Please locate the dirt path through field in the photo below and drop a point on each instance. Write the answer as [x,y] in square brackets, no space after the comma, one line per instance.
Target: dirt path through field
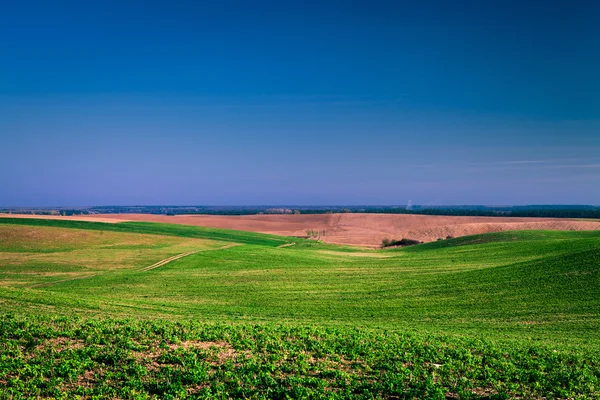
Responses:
[178,256]
[286,245]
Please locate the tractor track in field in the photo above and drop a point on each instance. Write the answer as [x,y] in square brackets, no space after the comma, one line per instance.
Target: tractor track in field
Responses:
[61,281]
[286,245]
[148,268]
[189,253]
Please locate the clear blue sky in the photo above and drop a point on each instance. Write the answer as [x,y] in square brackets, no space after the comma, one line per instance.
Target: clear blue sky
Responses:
[283,102]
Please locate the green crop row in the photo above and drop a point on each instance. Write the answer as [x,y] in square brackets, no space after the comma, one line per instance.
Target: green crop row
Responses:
[107,358]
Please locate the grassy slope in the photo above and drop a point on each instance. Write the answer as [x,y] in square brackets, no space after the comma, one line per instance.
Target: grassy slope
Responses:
[534,288]
[511,284]
[39,256]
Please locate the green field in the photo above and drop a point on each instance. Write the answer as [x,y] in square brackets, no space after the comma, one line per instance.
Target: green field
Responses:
[87,311]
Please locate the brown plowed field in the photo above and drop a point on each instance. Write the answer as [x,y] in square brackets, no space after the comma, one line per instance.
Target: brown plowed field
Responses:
[354,229]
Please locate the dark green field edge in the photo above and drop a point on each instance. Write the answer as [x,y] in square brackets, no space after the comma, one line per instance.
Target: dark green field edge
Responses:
[108,358]
[154,228]
[502,237]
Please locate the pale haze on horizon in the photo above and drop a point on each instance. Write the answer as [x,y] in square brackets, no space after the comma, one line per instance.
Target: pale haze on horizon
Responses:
[305,103]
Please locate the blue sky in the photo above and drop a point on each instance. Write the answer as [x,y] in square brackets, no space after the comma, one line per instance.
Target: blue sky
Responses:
[187,102]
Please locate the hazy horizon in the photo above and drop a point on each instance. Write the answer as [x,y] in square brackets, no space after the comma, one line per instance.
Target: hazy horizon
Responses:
[299,103]
[304,206]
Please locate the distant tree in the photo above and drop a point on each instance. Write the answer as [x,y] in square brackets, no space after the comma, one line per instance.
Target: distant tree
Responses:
[402,242]
[406,242]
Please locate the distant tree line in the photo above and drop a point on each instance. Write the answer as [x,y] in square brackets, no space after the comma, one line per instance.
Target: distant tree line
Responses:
[542,211]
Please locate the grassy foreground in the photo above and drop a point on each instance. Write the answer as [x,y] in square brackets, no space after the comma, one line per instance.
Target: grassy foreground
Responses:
[69,357]
[513,314]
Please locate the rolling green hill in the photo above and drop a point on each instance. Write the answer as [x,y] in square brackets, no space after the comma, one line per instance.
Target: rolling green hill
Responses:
[496,315]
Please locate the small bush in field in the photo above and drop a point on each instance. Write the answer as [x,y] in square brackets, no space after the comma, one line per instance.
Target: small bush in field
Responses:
[401,242]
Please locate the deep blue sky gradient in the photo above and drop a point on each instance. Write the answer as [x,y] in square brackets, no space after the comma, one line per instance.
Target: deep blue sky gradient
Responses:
[189,102]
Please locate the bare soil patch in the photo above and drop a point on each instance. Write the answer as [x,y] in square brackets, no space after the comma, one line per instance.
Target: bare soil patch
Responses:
[61,344]
[355,228]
